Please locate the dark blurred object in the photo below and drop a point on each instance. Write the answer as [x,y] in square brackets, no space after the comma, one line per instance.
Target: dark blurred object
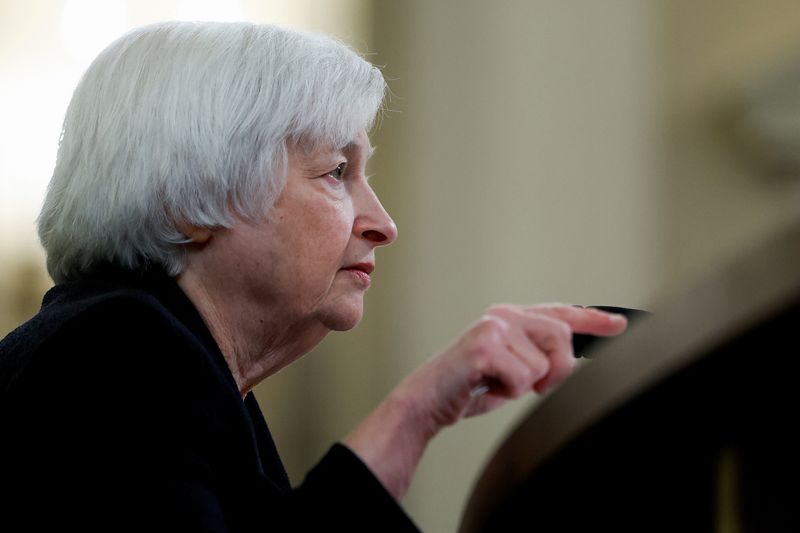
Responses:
[581,343]
[685,423]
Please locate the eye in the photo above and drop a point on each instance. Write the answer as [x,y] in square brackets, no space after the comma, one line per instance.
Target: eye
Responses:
[337,172]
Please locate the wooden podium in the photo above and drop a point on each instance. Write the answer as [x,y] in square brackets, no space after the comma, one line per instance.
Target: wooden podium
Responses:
[687,423]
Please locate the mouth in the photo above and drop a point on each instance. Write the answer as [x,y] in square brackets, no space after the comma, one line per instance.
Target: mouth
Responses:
[360,273]
[366,268]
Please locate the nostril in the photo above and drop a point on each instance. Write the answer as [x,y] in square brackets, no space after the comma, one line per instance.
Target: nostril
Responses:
[375,236]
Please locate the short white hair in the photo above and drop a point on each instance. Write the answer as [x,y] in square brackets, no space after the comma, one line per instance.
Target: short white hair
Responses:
[184,122]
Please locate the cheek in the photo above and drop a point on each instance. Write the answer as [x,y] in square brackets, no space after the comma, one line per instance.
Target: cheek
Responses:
[322,236]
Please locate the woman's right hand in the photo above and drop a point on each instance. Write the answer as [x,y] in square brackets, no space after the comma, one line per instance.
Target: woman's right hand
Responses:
[510,351]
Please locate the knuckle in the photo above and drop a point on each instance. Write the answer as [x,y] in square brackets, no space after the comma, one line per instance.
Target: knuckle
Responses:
[493,308]
[481,356]
[527,379]
[526,376]
[540,368]
[563,369]
[489,329]
[557,338]
[480,348]
[501,309]
[487,319]
[547,307]
[564,330]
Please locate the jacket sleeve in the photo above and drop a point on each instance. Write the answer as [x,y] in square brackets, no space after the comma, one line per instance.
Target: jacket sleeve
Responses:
[343,490]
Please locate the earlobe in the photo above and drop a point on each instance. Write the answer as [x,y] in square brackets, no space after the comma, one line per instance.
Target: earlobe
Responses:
[196,234]
[200,235]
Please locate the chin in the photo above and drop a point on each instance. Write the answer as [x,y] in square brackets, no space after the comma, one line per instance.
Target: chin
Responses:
[343,318]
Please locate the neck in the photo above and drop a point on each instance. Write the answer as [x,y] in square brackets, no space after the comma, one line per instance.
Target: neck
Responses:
[255,343]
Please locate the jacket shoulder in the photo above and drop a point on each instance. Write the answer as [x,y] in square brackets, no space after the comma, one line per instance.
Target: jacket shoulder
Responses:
[101,332]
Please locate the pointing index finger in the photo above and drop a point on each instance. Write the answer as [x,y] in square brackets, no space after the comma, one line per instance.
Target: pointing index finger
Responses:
[584,319]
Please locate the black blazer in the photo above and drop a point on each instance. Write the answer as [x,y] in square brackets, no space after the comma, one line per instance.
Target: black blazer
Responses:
[119,412]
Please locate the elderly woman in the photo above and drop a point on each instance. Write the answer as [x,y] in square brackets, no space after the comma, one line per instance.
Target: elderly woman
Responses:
[208,222]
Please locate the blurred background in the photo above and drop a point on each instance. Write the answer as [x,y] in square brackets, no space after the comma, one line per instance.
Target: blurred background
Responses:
[538,150]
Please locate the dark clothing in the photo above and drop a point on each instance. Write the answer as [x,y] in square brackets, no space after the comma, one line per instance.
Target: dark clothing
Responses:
[118,412]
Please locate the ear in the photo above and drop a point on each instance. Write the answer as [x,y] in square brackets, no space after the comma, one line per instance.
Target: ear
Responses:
[196,234]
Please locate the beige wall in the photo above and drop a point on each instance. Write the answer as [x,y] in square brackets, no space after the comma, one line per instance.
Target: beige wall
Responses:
[715,202]
[518,160]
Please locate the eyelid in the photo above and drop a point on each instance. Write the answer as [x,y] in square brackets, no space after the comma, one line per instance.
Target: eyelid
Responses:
[338,172]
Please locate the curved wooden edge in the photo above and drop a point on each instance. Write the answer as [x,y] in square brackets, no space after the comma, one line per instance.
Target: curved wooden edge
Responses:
[680,332]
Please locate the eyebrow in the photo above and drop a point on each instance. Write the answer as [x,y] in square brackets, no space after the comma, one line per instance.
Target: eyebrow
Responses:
[352,145]
[313,166]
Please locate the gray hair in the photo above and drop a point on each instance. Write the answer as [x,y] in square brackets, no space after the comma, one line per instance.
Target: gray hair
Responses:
[189,122]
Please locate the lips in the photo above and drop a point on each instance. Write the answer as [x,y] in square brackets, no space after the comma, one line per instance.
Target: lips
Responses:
[367,268]
[360,273]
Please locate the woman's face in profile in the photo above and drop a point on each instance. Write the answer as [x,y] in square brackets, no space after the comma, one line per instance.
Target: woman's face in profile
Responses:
[310,257]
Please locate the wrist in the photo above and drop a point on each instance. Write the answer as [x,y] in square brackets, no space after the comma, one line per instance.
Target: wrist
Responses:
[391,441]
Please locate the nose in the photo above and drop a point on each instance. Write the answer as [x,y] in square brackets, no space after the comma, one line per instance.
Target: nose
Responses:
[372,222]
